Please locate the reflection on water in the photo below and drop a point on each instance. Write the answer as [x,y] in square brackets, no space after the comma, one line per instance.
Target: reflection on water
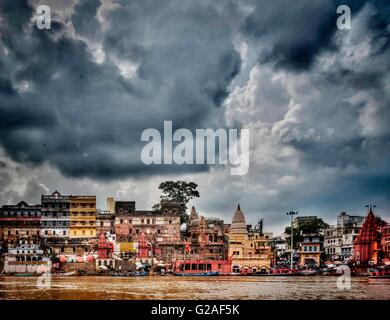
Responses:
[171,287]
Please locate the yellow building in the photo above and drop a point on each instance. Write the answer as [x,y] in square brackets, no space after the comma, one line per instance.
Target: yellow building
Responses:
[309,250]
[82,216]
[248,250]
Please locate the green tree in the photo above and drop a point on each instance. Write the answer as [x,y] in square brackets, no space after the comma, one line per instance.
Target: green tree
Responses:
[178,191]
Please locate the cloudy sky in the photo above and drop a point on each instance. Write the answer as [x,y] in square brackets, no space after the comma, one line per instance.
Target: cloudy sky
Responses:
[75,99]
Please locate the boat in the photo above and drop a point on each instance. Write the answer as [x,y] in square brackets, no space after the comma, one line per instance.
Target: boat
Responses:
[23,274]
[307,272]
[65,274]
[197,274]
[201,267]
[385,276]
[281,272]
[382,272]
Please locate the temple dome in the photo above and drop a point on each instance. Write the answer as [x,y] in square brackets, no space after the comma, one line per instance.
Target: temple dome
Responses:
[238,222]
[193,214]
[194,218]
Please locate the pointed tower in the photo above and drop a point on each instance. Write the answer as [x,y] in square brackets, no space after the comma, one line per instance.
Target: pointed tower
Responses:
[193,214]
[366,243]
[238,226]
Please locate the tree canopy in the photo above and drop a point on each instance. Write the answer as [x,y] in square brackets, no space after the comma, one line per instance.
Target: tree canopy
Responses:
[178,191]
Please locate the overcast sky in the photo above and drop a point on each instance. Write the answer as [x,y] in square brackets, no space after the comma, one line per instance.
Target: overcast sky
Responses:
[75,99]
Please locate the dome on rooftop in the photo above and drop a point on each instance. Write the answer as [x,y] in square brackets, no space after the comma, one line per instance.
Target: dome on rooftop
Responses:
[238,225]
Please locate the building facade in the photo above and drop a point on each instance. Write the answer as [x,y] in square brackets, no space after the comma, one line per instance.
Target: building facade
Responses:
[385,242]
[20,224]
[333,242]
[338,240]
[105,222]
[249,251]
[55,216]
[206,237]
[82,217]
[162,228]
[309,250]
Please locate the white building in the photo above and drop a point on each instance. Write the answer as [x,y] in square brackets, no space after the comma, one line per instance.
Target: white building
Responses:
[338,240]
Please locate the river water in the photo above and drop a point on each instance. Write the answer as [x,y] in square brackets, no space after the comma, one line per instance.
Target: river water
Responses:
[178,288]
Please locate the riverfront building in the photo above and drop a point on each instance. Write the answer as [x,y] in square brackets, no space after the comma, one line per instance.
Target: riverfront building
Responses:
[68,223]
[20,224]
[82,217]
[55,216]
[162,228]
[309,250]
[249,251]
[105,222]
[385,242]
[338,240]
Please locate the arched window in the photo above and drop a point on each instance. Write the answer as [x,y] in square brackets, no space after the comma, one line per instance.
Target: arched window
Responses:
[236,269]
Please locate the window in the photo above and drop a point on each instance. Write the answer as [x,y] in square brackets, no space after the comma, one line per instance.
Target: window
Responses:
[194,266]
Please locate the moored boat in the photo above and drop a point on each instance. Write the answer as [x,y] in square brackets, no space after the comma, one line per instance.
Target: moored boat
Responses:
[382,272]
[198,274]
[307,272]
[201,267]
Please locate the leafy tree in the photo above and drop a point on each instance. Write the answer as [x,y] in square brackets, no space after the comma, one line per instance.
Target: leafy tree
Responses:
[178,191]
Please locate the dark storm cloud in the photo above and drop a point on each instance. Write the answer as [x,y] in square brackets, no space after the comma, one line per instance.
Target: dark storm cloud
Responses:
[84,18]
[82,109]
[58,105]
[292,35]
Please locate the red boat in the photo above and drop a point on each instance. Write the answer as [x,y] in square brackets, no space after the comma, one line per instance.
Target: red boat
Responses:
[201,267]
[382,272]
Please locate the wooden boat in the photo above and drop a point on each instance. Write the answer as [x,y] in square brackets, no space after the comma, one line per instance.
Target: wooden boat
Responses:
[64,274]
[197,274]
[307,272]
[385,276]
